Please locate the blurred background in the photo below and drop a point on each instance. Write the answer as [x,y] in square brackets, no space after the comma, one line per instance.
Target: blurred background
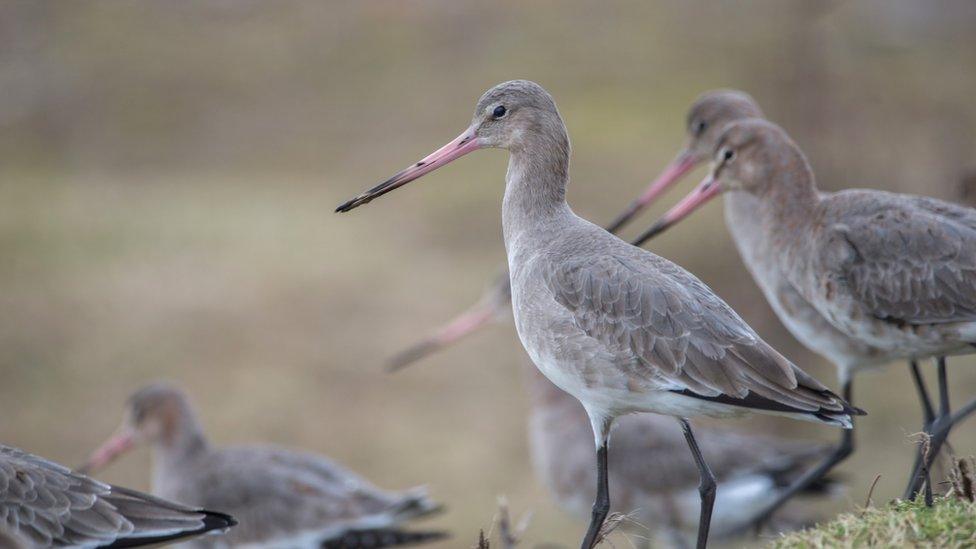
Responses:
[168,172]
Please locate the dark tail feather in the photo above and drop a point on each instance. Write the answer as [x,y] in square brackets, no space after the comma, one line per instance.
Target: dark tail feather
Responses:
[155,520]
[212,522]
[375,539]
[758,402]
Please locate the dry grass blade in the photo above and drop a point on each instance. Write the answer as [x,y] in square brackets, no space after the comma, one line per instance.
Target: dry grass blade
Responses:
[962,478]
[610,525]
[508,535]
[482,541]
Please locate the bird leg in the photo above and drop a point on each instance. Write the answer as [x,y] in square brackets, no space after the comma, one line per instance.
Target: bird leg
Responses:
[923,393]
[843,450]
[601,506]
[928,415]
[706,485]
[938,432]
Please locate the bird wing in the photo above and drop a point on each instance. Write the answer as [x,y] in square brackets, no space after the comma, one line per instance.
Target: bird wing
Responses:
[908,260]
[651,310]
[277,494]
[49,505]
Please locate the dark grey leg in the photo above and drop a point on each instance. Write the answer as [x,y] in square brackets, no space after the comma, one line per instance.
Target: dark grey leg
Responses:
[938,430]
[706,485]
[923,393]
[928,416]
[840,453]
[601,506]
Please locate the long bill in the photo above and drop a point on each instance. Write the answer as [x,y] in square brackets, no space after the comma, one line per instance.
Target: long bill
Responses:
[681,165]
[119,443]
[466,323]
[705,191]
[458,147]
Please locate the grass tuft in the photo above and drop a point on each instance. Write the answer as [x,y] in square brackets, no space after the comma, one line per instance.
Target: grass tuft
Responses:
[949,523]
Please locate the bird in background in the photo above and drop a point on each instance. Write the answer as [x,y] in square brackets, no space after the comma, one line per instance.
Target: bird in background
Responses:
[282,498]
[43,504]
[864,277]
[619,328]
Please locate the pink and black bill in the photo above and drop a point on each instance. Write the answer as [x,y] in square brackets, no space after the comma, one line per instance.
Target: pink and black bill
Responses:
[681,165]
[460,146]
[705,191]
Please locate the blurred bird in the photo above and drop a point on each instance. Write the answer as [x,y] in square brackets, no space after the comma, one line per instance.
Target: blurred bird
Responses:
[868,276]
[43,504]
[619,328]
[282,498]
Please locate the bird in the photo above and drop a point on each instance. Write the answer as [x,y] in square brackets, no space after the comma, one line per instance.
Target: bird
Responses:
[871,276]
[618,327]
[281,497]
[44,504]
[656,488]
[710,113]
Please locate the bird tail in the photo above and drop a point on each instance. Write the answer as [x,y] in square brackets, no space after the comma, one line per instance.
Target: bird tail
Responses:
[155,520]
[382,537]
[415,504]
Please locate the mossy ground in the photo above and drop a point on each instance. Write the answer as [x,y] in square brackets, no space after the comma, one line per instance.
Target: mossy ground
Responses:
[950,522]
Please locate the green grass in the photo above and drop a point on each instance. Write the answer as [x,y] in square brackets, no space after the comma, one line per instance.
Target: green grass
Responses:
[950,522]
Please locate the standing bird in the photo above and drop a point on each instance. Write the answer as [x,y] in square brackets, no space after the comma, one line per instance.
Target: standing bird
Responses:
[894,274]
[706,120]
[708,116]
[43,504]
[617,327]
[281,497]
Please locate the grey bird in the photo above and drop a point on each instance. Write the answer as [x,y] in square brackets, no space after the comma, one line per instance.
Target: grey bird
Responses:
[710,113]
[867,276]
[43,504]
[617,327]
[282,498]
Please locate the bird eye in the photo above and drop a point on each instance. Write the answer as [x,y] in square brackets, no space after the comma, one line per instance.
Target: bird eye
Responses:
[499,111]
[728,155]
[700,127]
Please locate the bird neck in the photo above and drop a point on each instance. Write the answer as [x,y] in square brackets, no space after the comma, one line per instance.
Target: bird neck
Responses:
[535,185]
[789,201]
[182,436]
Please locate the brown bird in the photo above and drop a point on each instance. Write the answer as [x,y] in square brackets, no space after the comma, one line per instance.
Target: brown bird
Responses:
[895,274]
[618,327]
[43,504]
[281,497]
[706,119]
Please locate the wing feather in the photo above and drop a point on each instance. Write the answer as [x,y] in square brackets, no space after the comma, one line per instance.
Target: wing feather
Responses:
[905,259]
[649,310]
[47,504]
